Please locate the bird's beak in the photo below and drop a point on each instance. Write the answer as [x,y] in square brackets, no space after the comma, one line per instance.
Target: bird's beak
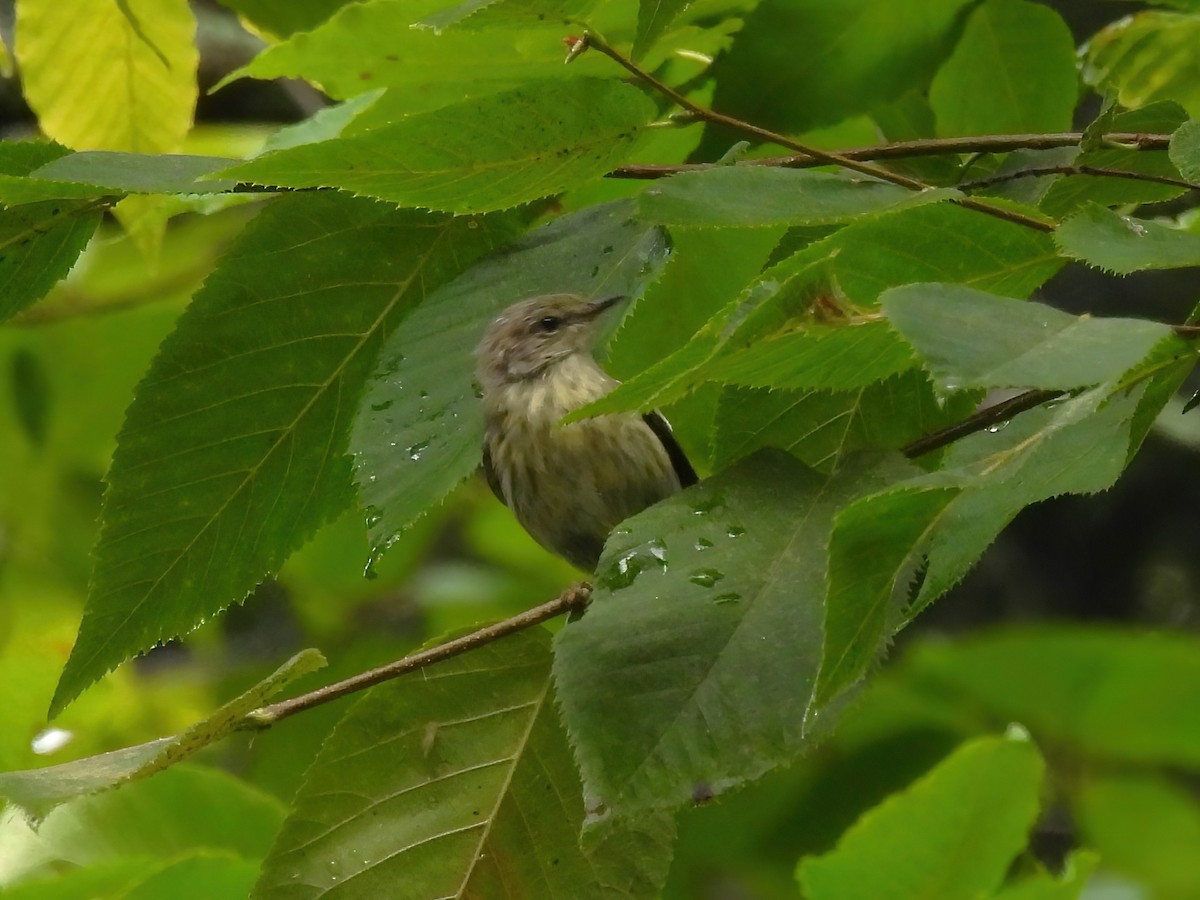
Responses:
[599,306]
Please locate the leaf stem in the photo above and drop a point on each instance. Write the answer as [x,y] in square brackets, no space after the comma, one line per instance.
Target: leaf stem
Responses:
[984,418]
[826,157]
[572,599]
[1097,171]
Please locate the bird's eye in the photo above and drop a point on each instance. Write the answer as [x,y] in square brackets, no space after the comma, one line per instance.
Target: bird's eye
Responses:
[548,323]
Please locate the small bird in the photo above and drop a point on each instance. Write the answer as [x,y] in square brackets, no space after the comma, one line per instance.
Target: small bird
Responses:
[568,485]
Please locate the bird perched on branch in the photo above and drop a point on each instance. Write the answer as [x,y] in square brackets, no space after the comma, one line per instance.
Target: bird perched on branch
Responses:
[568,485]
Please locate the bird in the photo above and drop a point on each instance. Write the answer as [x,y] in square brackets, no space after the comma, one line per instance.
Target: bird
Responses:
[568,485]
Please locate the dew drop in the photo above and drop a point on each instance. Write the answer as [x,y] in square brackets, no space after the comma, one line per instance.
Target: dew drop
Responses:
[703,543]
[706,577]
[381,405]
[728,597]
[735,531]
[414,452]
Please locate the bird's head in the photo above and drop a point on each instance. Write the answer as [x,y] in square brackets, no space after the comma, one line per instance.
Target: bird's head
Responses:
[533,335]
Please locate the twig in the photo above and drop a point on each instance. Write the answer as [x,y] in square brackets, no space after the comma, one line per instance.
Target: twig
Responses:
[592,39]
[985,418]
[1097,171]
[574,598]
[992,143]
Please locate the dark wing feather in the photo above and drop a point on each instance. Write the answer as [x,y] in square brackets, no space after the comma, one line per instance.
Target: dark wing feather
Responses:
[489,472]
[662,430]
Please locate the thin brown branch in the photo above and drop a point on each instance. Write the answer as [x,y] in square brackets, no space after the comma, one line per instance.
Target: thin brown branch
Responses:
[991,143]
[1096,171]
[985,418]
[591,39]
[572,599]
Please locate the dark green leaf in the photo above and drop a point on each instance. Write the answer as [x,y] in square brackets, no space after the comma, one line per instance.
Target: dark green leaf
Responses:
[457,784]
[1110,693]
[38,791]
[691,671]
[1012,72]
[420,427]
[139,173]
[1185,150]
[839,59]
[285,18]
[969,339]
[915,844]
[31,395]
[476,156]
[821,427]
[874,553]
[232,453]
[1116,243]
[38,245]
[741,196]
[1069,192]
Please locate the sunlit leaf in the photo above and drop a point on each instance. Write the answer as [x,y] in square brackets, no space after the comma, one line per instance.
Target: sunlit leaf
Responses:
[654,18]
[1012,72]
[476,156]
[1146,57]
[38,791]
[912,844]
[457,784]
[233,451]
[1120,244]
[1185,150]
[420,426]
[285,18]
[131,79]
[1076,874]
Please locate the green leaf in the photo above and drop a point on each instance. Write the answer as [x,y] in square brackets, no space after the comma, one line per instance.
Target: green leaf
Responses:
[183,810]
[815,356]
[202,876]
[1069,192]
[822,427]
[1076,873]
[457,784]
[105,174]
[1012,72]
[691,671]
[1147,57]
[232,453]
[372,45]
[131,81]
[873,554]
[1145,826]
[1004,470]
[741,196]
[654,18]
[1185,150]
[952,835]
[1107,693]
[38,245]
[970,339]
[839,59]
[937,242]
[284,19]
[476,156]
[38,791]
[1120,244]
[420,427]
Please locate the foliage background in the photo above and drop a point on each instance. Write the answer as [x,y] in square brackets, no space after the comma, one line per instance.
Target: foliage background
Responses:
[1106,690]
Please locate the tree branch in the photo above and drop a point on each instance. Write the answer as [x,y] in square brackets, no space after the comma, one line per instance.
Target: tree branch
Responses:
[592,39]
[572,599]
[1097,171]
[984,418]
[991,143]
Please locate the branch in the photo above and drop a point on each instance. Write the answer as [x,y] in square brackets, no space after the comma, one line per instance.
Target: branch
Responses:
[985,418]
[592,39]
[991,143]
[1097,171]
[574,598]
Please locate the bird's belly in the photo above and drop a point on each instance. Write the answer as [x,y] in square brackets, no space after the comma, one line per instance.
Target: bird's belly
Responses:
[569,485]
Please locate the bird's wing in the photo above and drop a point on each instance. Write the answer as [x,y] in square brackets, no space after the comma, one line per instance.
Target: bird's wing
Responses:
[489,472]
[662,430]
